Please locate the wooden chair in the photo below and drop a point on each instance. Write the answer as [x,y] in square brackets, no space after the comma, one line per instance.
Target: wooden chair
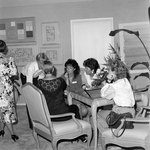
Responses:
[42,124]
[139,136]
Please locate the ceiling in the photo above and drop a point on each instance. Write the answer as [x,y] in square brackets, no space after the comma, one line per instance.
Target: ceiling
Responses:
[11,3]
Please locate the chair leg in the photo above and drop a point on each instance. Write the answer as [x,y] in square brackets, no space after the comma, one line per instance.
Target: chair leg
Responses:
[54,145]
[36,139]
[89,141]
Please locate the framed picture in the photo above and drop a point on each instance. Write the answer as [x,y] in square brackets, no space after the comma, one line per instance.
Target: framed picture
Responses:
[50,33]
[54,54]
[18,30]
[23,54]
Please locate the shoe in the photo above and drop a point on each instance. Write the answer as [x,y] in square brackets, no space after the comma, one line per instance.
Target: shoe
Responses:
[14,137]
[83,139]
[2,132]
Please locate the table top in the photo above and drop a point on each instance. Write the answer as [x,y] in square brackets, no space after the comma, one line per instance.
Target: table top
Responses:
[86,97]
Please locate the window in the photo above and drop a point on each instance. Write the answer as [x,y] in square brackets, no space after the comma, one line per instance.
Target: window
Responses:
[131,47]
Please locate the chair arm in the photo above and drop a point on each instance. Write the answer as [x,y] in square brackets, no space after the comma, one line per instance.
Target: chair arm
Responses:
[79,126]
[145,107]
[142,89]
[142,111]
[69,98]
[62,115]
[139,120]
[95,104]
[142,96]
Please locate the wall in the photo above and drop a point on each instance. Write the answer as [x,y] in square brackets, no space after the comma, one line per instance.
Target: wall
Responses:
[122,11]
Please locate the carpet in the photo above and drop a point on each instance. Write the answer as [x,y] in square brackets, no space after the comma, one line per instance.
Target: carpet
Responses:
[26,140]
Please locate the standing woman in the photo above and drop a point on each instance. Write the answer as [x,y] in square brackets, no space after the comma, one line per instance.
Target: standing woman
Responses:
[28,71]
[7,103]
[31,72]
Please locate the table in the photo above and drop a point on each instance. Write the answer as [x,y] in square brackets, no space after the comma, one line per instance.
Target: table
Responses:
[94,103]
[85,97]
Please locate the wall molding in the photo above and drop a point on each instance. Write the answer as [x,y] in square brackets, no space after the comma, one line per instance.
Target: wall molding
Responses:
[13,3]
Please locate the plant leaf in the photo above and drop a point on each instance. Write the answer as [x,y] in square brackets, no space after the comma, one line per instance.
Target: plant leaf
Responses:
[146,74]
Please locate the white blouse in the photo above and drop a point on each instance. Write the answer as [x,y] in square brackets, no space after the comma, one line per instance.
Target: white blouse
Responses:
[120,91]
[29,71]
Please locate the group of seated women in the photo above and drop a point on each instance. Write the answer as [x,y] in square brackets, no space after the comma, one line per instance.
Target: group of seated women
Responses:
[42,73]
[116,86]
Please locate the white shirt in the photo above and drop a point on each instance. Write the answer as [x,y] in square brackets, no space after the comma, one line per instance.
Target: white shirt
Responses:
[120,91]
[29,71]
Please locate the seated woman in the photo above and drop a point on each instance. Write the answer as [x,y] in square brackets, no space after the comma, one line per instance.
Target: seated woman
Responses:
[74,82]
[53,89]
[118,88]
[91,71]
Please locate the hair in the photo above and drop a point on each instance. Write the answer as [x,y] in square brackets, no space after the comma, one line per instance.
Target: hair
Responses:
[120,69]
[75,65]
[115,64]
[41,57]
[3,47]
[91,63]
[49,68]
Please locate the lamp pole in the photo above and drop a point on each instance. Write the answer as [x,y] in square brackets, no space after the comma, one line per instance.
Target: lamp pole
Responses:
[136,33]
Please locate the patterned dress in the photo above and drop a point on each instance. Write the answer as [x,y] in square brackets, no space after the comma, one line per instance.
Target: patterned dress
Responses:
[7,103]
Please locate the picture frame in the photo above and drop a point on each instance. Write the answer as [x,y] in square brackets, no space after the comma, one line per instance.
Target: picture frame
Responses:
[50,33]
[22,54]
[54,54]
[18,30]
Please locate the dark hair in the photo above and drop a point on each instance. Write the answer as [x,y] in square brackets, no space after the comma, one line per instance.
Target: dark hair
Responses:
[3,47]
[50,69]
[74,64]
[91,63]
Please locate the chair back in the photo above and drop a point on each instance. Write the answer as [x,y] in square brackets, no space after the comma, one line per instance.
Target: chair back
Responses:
[37,106]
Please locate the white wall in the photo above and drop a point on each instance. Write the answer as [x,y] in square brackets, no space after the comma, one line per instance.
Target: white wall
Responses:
[122,11]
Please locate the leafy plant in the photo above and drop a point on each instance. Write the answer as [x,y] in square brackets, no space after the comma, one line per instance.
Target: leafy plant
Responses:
[146,64]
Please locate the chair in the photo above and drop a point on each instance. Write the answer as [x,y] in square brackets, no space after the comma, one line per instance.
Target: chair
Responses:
[42,124]
[139,136]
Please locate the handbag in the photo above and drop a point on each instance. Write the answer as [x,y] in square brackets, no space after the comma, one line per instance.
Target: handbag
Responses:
[114,120]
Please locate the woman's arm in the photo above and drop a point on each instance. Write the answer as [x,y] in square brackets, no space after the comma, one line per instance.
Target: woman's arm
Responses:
[108,91]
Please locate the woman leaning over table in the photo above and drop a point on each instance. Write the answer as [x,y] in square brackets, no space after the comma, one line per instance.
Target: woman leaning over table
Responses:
[73,79]
[28,75]
[53,89]
[7,102]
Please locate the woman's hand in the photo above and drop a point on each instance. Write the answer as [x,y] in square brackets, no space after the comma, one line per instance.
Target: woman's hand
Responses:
[37,73]
[66,75]
[66,92]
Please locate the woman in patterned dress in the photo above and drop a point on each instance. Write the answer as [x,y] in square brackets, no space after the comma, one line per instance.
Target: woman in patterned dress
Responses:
[7,103]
